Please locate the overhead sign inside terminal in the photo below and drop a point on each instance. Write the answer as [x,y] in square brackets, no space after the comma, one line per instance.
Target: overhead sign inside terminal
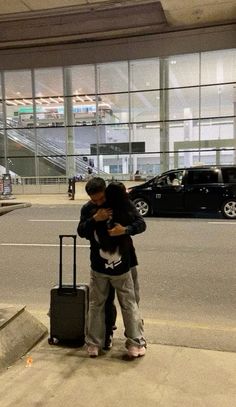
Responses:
[118,148]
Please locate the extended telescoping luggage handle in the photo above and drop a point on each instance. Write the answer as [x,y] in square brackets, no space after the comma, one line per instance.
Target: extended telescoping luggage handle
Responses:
[74,260]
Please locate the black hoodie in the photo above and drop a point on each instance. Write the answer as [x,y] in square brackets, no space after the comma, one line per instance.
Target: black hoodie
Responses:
[103,260]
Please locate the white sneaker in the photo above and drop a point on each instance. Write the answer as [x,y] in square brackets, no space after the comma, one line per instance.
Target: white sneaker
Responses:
[136,351]
[92,351]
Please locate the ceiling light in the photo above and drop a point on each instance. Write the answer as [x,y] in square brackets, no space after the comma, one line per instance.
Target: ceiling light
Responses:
[173,62]
[89,98]
[53,100]
[80,99]
[19,102]
[27,101]
[45,101]
[10,102]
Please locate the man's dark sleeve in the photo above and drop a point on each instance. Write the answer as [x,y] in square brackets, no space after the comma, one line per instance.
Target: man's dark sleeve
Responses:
[137,225]
[86,224]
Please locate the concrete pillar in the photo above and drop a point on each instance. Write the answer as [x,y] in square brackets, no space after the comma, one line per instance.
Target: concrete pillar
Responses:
[69,122]
[234,130]
[100,164]
[4,119]
[125,161]
[164,115]
[135,163]
[188,133]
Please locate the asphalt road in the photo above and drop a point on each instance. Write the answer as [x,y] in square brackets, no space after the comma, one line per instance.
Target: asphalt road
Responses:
[186,265]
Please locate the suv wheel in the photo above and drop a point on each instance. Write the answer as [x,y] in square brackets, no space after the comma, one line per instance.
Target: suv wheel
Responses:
[229,209]
[142,206]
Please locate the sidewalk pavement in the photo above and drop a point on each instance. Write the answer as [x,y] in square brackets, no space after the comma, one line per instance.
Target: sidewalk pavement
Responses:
[168,376]
[50,199]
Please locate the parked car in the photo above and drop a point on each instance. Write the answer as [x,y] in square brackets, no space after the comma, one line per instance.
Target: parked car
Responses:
[188,190]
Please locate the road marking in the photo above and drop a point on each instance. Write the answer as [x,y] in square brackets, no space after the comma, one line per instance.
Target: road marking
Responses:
[185,324]
[223,223]
[53,220]
[42,244]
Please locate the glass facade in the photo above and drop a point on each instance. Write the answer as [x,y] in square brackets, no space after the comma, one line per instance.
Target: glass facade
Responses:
[149,115]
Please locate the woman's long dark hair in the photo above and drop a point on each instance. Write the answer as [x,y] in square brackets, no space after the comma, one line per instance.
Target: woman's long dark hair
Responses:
[117,199]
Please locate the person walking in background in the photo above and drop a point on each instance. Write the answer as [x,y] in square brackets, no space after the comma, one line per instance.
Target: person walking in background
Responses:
[111,255]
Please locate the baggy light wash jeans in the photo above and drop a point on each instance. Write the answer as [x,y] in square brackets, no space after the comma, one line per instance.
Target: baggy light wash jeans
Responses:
[99,289]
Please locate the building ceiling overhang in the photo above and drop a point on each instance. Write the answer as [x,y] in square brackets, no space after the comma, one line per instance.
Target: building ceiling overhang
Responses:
[27,23]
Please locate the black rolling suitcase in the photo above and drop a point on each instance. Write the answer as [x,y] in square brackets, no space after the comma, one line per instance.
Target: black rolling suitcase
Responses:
[68,306]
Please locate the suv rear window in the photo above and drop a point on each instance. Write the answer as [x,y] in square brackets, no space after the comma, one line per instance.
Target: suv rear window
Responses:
[202,177]
[229,175]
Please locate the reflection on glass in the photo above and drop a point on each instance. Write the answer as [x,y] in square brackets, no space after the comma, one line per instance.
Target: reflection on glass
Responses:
[112,77]
[1,133]
[83,80]
[217,129]
[183,103]
[217,101]
[183,70]
[18,84]
[113,108]
[19,114]
[84,138]
[84,111]
[148,165]
[145,106]
[49,112]
[144,74]
[48,82]
[218,66]
[149,134]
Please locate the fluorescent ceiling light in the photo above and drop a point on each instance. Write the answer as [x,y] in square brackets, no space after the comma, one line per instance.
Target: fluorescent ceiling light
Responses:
[53,100]
[89,98]
[10,102]
[80,99]
[45,101]
[19,102]
[27,101]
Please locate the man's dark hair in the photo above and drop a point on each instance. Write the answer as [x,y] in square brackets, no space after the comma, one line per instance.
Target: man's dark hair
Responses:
[95,185]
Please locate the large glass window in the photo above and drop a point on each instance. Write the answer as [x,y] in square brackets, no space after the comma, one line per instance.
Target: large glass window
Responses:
[218,67]
[112,77]
[217,101]
[183,70]
[18,84]
[144,74]
[2,151]
[148,115]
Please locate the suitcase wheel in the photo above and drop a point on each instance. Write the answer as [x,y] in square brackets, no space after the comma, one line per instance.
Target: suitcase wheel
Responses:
[52,341]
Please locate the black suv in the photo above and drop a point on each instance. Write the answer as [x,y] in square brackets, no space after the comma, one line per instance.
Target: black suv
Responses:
[188,190]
